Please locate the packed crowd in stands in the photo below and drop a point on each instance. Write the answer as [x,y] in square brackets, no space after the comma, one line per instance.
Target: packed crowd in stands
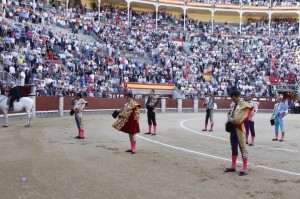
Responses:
[251,2]
[211,64]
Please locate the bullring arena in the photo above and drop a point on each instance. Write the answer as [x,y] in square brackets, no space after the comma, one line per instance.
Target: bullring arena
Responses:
[180,162]
[192,59]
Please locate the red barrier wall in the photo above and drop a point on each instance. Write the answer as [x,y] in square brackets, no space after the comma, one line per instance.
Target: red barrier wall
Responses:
[51,103]
[46,103]
[98,103]
[171,103]
[187,103]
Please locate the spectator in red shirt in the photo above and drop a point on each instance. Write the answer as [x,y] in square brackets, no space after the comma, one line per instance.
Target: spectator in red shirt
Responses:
[51,55]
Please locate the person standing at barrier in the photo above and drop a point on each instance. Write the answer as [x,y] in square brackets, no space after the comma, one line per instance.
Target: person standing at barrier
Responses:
[128,120]
[1,88]
[239,112]
[151,104]
[78,106]
[249,124]
[279,111]
[210,104]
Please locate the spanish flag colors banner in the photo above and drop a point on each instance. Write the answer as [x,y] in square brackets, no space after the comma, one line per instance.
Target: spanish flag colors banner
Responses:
[132,86]
[207,77]
[177,42]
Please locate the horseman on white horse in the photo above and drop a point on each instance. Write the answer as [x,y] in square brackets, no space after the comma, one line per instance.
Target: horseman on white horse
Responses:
[14,102]
[14,94]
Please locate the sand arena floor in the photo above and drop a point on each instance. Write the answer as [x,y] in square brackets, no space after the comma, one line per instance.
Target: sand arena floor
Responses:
[180,162]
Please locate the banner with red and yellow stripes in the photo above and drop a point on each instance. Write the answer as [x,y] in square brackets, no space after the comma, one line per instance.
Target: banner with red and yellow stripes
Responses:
[133,85]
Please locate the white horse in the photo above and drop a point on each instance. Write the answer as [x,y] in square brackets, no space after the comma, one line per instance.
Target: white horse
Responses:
[25,103]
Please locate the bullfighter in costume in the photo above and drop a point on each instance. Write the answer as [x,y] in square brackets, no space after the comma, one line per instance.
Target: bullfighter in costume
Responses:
[210,104]
[249,125]
[151,104]
[279,111]
[78,106]
[239,112]
[128,121]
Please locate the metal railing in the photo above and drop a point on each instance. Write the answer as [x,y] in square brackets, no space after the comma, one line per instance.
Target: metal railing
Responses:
[178,93]
[286,87]
[7,77]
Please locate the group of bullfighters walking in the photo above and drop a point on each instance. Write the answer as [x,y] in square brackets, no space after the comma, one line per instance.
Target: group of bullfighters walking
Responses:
[240,121]
[128,117]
